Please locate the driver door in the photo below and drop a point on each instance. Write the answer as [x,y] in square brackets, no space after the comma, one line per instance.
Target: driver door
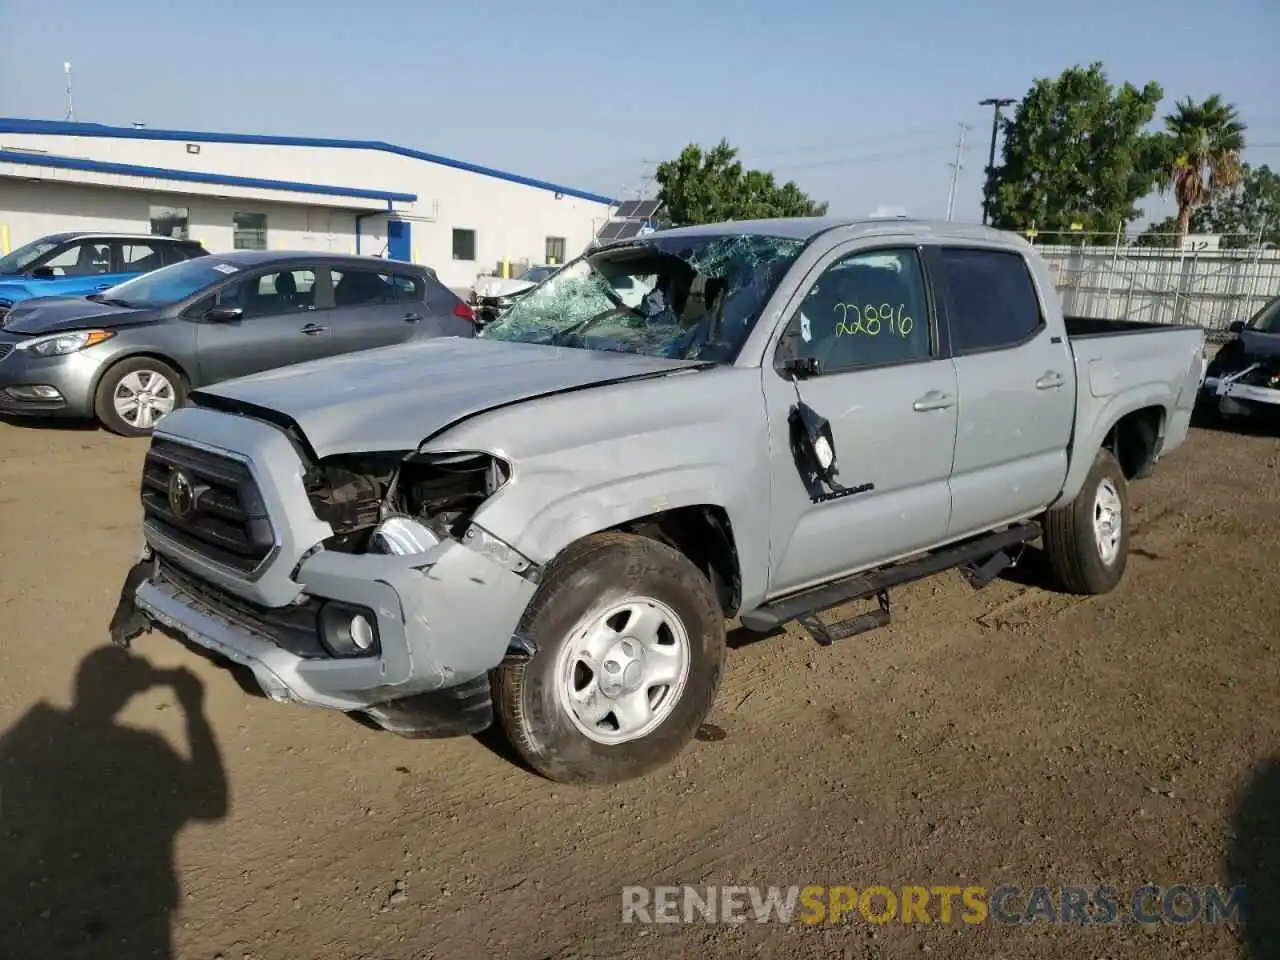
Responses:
[889,391]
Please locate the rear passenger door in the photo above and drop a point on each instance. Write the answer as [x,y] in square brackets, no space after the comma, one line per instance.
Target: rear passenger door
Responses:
[372,309]
[283,322]
[1015,379]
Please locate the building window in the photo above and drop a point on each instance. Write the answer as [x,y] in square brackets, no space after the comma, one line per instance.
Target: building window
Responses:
[249,231]
[555,250]
[464,244]
[171,222]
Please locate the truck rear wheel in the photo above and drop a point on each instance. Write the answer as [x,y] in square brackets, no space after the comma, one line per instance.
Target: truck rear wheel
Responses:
[1087,540]
[630,650]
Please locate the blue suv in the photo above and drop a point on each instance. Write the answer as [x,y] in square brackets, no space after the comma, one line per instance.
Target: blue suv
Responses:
[79,264]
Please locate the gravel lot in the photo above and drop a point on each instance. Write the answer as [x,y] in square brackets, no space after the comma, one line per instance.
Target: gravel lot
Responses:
[1005,736]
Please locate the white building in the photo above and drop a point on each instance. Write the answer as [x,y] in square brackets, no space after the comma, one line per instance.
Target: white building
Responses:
[231,190]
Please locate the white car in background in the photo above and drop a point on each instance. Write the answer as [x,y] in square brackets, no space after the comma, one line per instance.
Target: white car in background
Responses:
[500,287]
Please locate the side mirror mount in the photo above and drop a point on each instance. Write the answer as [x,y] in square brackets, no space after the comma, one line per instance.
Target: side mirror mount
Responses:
[43,273]
[1237,326]
[801,368]
[223,315]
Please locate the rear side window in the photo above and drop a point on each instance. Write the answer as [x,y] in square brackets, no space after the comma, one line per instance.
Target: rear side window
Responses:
[991,300]
[355,287]
[409,289]
[139,257]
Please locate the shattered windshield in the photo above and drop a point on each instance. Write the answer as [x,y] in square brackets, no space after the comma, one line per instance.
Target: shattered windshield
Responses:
[687,298]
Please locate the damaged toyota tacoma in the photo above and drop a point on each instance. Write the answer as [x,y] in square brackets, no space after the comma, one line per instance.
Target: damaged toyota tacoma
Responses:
[549,526]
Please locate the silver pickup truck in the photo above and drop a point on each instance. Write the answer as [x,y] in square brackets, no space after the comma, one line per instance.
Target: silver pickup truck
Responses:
[549,525]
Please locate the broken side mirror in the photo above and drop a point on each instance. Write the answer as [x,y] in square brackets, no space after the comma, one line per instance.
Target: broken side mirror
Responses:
[813,443]
[801,368]
[1237,326]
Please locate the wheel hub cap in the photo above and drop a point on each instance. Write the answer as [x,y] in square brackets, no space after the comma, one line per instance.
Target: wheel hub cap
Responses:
[623,669]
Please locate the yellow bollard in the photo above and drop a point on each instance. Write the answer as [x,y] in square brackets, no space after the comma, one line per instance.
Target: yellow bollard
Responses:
[4,239]
[506,269]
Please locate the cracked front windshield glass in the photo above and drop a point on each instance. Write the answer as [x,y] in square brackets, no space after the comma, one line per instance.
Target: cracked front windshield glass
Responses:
[683,297]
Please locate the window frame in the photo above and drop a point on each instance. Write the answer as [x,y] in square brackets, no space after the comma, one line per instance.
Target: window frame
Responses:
[951,314]
[557,259]
[453,246]
[939,348]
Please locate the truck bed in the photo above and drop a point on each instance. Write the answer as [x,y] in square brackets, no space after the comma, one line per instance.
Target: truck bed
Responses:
[1079,328]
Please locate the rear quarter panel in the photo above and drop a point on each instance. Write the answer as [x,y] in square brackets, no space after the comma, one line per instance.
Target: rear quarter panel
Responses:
[1121,373]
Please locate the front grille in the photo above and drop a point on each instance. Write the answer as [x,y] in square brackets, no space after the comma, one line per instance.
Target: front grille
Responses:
[224,519]
[294,628]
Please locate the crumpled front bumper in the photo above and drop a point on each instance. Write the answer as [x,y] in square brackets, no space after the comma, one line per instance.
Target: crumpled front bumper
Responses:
[444,619]
[1234,398]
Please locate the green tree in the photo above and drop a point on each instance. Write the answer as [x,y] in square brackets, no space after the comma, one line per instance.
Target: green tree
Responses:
[1243,215]
[712,186]
[1207,139]
[1076,150]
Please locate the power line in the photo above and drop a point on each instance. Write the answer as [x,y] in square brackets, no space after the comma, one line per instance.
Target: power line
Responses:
[955,170]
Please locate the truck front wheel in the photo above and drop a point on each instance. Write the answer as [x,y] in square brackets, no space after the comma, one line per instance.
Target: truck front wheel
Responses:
[630,649]
[1087,540]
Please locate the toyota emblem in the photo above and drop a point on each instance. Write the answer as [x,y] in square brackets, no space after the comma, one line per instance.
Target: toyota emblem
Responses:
[182,496]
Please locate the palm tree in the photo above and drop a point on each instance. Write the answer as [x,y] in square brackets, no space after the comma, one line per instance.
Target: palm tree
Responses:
[1207,139]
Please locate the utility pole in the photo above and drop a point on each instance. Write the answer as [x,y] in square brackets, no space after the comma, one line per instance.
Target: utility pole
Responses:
[66,69]
[955,170]
[996,103]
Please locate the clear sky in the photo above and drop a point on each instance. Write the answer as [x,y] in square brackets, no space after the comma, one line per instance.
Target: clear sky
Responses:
[860,103]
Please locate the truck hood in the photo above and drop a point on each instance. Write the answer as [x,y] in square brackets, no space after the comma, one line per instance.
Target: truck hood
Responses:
[56,314]
[394,398]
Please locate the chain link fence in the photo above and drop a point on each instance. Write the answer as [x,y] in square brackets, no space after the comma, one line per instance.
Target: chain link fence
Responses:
[1112,276]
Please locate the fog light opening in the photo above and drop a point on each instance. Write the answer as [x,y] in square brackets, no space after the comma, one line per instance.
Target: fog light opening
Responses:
[348,631]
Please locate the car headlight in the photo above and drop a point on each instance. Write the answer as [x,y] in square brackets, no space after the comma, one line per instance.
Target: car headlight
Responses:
[61,344]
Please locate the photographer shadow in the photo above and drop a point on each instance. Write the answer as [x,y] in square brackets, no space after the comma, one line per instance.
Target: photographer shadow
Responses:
[89,813]
[1253,860]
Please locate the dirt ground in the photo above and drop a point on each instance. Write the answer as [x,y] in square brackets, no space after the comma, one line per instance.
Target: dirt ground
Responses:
[1005,736]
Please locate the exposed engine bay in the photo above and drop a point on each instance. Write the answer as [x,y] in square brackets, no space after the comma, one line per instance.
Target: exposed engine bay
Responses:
[393,503]
[1244,378]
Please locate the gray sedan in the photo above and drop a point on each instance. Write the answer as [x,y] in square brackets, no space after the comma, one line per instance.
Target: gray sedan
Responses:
[129,355]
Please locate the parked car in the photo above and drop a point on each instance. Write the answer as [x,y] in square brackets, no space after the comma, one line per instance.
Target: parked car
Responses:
[130,354]
[492,295]
[78,264]
[1243,379]
[549,525]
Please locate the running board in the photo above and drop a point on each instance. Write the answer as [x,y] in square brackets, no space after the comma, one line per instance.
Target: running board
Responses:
[987,553]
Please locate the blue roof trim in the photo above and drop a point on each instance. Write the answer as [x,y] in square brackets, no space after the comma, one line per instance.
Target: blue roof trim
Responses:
[194,176]
[68,128]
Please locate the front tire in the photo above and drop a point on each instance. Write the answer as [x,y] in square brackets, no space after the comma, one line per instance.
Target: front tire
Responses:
[631,648]
[1087,540]
[135,393]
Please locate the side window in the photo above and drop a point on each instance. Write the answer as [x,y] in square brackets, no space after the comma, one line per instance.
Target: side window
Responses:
[272,294]
[866,310]
[80,260]
[991,300]
[176,253]
[139,258]
[361,288]
[201,307]
[409,289]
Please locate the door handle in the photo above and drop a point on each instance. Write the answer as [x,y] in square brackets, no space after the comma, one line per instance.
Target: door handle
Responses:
[412,317]
[311,329]
[934,400]
[1050,381]
[103,286]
